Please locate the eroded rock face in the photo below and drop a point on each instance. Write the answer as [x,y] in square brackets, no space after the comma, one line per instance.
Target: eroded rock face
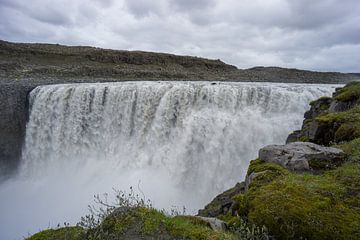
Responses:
[302,156]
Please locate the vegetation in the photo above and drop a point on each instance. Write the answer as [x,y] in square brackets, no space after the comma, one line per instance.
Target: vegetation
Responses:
[349,93]
[130,217]
[66,233]
[149,222]
[304,205]
[352,149]
[345,125]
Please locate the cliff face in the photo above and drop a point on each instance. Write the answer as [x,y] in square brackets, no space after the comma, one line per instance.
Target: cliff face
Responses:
[13,109]
[332,120]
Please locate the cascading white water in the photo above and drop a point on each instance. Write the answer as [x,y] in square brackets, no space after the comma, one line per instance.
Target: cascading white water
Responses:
[185,142]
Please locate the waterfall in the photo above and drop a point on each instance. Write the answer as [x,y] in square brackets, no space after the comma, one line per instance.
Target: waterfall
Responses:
[180,143]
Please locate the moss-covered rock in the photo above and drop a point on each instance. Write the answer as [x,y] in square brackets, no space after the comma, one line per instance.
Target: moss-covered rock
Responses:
[139,223]
[309,206]
[66,233]
[341,126]
[149,223]
[297,205]
[221,204]
[332,120]
[349,93]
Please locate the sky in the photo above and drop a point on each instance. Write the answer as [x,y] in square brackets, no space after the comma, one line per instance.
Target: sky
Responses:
[322,35]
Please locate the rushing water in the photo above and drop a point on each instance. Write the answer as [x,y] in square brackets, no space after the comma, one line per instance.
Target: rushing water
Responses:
[180,143]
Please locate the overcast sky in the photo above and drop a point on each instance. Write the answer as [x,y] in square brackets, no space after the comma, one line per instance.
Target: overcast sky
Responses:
[310,34]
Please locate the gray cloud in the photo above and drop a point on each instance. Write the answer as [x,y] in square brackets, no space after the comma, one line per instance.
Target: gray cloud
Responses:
[319,35]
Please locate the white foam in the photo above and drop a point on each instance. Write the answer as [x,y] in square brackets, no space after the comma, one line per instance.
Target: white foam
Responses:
[185,141]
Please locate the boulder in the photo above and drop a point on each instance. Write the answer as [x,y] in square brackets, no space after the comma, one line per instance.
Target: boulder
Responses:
[302,156]
[215,224]
[222,203]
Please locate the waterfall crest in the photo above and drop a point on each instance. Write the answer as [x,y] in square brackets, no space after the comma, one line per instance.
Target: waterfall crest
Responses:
[202,133]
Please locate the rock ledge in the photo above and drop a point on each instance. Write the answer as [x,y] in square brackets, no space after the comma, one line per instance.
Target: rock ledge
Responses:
[302,156]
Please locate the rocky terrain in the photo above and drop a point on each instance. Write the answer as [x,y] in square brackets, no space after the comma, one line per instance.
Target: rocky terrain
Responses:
[50,63]
[25,66]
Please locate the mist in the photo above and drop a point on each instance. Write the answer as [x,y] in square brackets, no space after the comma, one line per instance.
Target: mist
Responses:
[176,143]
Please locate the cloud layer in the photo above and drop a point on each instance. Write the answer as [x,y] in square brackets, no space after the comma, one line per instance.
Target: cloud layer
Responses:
[318,35]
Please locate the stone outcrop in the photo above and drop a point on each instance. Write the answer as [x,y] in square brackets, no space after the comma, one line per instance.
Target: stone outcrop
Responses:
[302,156]
[223,202]
[331,120]
[13,115]
[311,130]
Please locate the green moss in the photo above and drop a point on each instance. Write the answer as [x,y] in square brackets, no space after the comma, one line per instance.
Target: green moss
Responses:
[344,125]
[321,100]
[193,229]
[348,131]
[350,92]
[352,149]
[304,139]
[150,222]
[266,172]
[322,104]
[239,205]
[259,165]
[349,176]
[66,233]
[309,206]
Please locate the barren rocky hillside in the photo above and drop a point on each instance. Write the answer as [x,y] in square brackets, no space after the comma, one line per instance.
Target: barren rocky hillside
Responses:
[52,63]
